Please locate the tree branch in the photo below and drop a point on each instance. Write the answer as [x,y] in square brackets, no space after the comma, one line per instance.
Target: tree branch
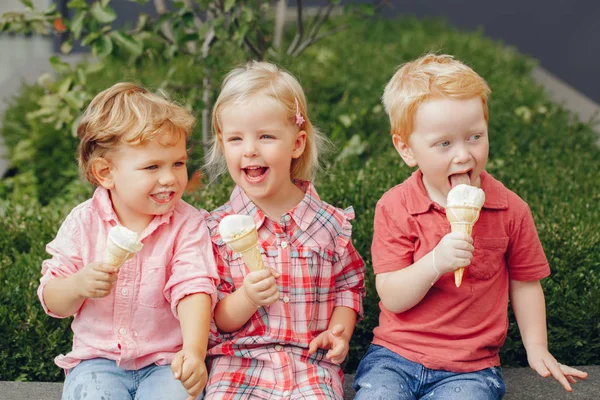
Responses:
[299,26]
[313,40]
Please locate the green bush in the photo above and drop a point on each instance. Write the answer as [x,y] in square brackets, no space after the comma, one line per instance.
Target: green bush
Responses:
[537,149]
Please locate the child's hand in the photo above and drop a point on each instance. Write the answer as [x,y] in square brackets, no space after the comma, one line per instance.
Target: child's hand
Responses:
[260,287]
[189,368]
[96,280]
[333,340]
[545,364]
[455,250]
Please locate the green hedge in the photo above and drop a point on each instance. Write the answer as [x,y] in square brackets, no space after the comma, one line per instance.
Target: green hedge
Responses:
[537,149]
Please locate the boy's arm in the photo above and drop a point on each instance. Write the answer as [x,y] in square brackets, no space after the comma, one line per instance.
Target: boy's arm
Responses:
[528,304]
[345,317]
[194,316]
[62,297]
[188,364]
[403,289]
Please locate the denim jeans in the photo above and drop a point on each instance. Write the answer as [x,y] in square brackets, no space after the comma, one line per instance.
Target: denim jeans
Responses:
[385,375]
[101,379]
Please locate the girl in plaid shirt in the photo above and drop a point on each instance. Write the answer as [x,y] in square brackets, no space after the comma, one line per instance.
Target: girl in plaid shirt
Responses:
[280,332]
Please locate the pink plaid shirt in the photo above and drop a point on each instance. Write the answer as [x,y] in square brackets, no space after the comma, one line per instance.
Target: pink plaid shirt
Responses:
[136,324]
[320,269]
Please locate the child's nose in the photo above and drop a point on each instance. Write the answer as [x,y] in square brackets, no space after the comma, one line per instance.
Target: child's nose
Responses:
[166,178]
[249,148]
[461,154]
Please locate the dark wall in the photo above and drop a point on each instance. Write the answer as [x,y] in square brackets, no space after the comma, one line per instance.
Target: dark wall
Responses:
[564,35]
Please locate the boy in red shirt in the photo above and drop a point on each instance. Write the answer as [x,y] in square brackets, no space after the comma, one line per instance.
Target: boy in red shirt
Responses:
[435,340]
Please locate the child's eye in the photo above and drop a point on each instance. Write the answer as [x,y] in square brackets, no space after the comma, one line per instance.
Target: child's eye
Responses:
[475,136]
[444,143]
[180,164]
[233,138]
[265,136]
[151,167]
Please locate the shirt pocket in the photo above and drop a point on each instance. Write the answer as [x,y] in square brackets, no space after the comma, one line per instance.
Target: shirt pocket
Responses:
[488,257]
[153,281]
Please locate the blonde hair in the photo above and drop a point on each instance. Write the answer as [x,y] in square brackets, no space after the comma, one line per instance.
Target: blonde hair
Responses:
[128,113]
[266,79]
[427,77]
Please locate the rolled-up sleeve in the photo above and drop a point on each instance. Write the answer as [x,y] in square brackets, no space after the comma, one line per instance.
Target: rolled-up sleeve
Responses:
[350,281]
[66,259]
[193,267]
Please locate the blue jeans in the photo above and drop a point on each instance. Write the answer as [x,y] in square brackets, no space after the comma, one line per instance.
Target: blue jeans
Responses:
[101,379]
[385,375]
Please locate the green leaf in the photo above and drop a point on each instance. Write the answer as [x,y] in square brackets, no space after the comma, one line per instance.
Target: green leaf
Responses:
[77,24]
[59,66]
[90,38]
[141,22]
[103,15]
[64,87]
[27,3]
[104,3]
[228,5]
[103,47]
[66,46]
[81,76]
[74,101]
[128,43]
[77,4]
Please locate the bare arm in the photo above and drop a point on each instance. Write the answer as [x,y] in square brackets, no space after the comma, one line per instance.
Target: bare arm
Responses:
[65,296]
[233,311]
[194,316]
[346,317]
[528,304]
[403,289]
[62,297]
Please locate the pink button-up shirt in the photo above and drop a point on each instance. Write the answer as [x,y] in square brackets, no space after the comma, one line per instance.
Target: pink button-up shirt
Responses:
[136,324]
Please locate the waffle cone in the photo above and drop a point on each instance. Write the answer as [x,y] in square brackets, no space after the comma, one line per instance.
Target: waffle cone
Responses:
[116,255]
[462,219]
[246,244]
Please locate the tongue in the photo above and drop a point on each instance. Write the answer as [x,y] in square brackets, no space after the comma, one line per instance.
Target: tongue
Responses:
[255,172]
[458,179]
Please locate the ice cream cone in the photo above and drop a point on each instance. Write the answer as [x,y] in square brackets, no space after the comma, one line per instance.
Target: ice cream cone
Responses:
[246,244]
[462,219]
[121,245]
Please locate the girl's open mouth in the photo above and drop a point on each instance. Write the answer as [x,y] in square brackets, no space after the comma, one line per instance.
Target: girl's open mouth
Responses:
[255,174]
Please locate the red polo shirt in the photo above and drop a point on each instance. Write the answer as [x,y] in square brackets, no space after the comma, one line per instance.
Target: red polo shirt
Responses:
[455,329]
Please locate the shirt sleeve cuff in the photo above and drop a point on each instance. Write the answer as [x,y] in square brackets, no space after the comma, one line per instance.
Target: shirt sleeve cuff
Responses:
[350,299]
[204,285]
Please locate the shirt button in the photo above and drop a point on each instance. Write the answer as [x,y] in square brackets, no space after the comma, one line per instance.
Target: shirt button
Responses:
[124,291]
[286,393]
[123,331]
[286,299]
[284,244]
[287,218]
[278,348]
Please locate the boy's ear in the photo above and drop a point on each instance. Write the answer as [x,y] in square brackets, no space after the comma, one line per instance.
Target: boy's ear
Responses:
[299,144]
[404,150]
[102,171]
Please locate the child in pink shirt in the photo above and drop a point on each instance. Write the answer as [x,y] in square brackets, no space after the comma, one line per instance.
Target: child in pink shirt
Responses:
[140,331]
[280,332]
[436,340]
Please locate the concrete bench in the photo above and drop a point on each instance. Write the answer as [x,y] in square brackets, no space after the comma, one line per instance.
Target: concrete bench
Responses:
[521,383]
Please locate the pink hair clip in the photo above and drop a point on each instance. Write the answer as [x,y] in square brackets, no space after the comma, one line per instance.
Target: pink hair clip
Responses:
[299,118]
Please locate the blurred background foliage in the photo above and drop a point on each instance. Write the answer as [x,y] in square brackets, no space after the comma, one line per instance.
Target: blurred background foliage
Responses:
[537,149]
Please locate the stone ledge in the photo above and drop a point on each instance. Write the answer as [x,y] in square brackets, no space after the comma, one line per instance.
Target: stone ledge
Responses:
[521,383]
